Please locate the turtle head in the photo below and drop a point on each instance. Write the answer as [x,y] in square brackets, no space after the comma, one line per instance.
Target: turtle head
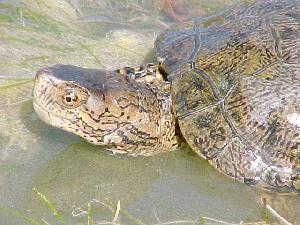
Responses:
[105,108]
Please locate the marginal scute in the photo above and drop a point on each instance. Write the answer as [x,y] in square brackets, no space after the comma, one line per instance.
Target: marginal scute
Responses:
[239,161]
[206,131]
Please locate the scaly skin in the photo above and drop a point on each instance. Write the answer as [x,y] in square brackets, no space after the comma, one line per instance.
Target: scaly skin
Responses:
[107,109]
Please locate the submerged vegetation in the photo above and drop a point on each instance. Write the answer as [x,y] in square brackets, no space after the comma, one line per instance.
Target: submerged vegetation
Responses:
[89,33]
[38,32]
[118,215]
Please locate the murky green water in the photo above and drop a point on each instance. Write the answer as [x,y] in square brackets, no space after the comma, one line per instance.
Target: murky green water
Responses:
[73,174]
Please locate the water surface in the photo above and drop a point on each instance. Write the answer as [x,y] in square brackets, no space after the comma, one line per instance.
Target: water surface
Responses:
[71,173]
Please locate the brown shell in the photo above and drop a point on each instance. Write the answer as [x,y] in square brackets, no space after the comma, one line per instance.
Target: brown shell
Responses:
[236,89]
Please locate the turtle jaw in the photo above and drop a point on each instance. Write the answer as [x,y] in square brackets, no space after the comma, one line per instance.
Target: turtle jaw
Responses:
[48,117]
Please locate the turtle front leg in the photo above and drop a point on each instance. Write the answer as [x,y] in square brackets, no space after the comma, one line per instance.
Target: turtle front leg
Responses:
[148,73]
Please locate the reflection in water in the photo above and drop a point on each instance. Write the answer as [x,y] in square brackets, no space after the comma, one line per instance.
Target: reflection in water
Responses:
[106,34]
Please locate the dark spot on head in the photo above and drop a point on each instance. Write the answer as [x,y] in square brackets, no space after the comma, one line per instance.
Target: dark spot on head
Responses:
[106,109]
[92,111]
[122,114]
[128,117]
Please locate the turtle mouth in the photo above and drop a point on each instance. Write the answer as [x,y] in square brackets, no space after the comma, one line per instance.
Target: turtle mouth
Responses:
[48,116]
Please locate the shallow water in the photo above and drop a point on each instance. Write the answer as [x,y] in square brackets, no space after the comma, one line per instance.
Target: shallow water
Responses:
[73,174]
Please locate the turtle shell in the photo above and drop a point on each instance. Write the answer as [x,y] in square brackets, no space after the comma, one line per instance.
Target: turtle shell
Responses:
[236,89]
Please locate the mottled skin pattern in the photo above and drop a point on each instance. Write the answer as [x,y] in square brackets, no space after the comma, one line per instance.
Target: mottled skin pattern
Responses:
[235,95]
[107,109]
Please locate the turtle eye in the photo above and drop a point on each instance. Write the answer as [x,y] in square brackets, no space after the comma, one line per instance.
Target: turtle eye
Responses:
[70,98]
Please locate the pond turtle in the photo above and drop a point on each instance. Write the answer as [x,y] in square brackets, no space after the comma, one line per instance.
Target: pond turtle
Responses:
[228,84]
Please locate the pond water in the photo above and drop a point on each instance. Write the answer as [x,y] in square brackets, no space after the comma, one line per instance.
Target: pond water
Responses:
[39,163]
